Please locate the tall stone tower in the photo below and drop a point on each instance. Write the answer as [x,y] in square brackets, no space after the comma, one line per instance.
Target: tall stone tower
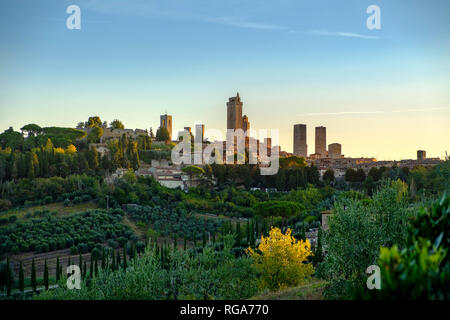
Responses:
[321,141]
[421,155]
[166,122]
[234,113]
[200,132]
[245,123]
[300,146]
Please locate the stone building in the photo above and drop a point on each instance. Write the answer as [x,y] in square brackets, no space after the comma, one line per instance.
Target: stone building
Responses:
[335,150]
[200,132]
[245,123]
[300,146]
[234,113]
[421,155]
[166,122]
[321,141]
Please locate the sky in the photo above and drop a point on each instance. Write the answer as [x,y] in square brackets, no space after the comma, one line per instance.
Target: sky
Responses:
[380,93]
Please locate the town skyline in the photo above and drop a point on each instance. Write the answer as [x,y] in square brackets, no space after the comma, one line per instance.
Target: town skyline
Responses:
[299,62]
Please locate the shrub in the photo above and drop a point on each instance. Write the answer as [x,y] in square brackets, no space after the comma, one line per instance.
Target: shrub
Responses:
[282,261]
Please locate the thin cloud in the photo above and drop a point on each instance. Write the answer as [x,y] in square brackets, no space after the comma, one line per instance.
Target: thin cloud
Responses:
[336,34]
[239,22]
[372,112]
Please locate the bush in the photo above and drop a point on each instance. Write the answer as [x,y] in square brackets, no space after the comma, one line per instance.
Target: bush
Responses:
[356,232]
[5,204]
[282,261]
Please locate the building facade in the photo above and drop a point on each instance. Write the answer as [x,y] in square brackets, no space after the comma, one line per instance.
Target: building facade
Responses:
[335,150]
[166,122]
[300,147]
[234,113]
[321,141]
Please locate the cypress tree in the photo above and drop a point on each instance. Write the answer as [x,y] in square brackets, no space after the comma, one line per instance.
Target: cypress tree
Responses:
[9,281]
[238,234]
[33,276]
[57,269]
[83,274]
[113,264]
[133,251]
[118,261]
[125,257]
[103,259]
[46,275]
[91,268]
[95,267]
[21,278]
[204,238]
[80,263]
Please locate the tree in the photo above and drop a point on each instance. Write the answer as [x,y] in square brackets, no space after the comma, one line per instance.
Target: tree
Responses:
[9,277]
[33,276]
[94,121]
[282,261]
[95,134]
[46,275]
[31,129]
[58,274]
[193,171]
[117,124]
[328,175]
[350,175]
[162,134]
[21,278]
[356,232]
[360,175]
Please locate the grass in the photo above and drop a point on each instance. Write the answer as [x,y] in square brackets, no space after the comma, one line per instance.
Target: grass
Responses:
[308,291]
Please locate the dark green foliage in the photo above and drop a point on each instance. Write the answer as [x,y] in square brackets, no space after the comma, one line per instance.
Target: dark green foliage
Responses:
[46,275]
[33,276]
[421,270]
[21,278]
[52,233]
[208,274]
[58,274]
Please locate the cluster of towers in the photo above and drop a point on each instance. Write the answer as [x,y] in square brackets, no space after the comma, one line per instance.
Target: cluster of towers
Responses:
[301,147]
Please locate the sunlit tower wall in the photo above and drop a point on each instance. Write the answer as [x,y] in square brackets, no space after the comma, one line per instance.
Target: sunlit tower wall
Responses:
[321,141]
[335,150]
[245,123]
[166,122]
[200,132]
[421,155]
[300,147]
[234,113]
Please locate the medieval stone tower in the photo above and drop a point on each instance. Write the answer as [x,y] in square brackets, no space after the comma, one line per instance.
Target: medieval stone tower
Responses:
[166,122]
[300,146]
[234,113]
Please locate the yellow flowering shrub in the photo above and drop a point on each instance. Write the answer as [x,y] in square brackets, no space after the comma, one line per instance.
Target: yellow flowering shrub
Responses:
[281,260]
[71,149]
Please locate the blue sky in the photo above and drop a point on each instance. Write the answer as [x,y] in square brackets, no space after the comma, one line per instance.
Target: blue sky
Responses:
[382,93]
